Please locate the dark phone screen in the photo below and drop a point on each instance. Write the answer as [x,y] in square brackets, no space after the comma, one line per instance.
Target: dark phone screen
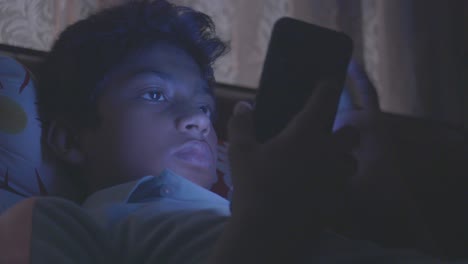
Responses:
[299,56]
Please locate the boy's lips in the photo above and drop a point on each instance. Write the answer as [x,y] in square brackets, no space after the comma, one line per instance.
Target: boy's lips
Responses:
[195,152]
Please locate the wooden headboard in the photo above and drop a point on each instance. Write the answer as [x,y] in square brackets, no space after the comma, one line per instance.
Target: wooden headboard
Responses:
[226,95]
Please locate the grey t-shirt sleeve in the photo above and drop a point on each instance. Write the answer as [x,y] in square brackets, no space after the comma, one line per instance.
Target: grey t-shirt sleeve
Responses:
[62,232]
[170,237]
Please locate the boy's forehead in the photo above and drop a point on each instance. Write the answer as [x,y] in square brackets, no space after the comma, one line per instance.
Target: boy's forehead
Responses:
[163,55]
[163,61]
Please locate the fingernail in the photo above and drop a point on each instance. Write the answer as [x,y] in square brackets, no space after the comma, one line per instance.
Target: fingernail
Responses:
[242,107]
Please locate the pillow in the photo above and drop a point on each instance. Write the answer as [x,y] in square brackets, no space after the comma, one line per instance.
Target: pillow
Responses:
[223,186]
[8,199]
[23,173]
[20,152]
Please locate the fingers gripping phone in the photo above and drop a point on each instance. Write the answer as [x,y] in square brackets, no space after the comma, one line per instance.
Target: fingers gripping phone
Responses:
[299,56]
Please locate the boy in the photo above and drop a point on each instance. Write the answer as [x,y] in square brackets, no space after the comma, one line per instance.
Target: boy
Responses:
[127,93]
[126,103]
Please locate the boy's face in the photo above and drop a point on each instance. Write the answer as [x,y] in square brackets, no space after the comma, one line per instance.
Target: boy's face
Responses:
[154,113]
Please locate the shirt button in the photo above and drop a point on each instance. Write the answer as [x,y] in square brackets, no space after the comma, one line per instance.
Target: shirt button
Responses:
[165,190]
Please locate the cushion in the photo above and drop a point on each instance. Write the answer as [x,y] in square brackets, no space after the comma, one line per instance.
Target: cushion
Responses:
[223,186]
[8,199]
[20,151]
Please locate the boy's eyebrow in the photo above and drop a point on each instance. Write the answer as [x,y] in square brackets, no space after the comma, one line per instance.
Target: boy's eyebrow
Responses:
[159,74]
[167,77]
[205,89]
[130,75]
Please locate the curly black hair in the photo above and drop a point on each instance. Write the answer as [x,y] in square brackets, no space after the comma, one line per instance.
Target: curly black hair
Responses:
[86,51]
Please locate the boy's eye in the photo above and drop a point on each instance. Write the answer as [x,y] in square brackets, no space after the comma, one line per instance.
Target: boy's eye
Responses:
[156,96]
[206,109]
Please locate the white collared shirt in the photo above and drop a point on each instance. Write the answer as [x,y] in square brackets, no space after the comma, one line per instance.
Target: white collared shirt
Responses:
[164,219]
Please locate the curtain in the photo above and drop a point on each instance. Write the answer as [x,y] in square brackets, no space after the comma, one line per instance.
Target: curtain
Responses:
[411,49]
[36,23]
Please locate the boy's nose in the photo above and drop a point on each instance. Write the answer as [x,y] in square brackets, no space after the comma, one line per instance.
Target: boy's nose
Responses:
[197,124]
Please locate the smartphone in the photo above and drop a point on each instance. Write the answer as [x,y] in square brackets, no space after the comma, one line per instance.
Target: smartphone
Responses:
[299,56]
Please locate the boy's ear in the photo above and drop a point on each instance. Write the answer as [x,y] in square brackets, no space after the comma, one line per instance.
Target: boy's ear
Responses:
[64,143]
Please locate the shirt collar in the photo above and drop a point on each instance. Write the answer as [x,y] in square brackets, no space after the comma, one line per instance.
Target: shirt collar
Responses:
[166,185]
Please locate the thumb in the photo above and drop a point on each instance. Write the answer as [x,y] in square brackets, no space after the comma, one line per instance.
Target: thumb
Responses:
[241,134]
